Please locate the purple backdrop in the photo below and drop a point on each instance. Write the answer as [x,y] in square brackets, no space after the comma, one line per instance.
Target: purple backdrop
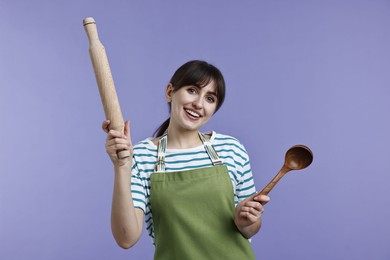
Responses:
[311,72]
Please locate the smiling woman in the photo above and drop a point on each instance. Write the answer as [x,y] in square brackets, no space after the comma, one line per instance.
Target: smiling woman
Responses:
[191,106]
[196,75]
[195,190]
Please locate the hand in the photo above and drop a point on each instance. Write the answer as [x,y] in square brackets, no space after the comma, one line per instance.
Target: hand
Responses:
[249,211]
[117,141]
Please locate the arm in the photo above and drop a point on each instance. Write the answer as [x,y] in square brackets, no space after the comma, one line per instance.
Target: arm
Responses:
[249,210]
[126,221]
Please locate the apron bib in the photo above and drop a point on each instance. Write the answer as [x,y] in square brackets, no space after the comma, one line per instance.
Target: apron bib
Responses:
[193,212]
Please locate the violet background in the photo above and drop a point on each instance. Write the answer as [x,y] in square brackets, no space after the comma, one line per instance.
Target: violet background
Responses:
[310,72]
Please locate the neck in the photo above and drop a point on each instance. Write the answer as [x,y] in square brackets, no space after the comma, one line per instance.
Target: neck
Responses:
[182,139]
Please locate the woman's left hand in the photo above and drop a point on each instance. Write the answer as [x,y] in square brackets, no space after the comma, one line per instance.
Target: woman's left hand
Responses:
[248,213]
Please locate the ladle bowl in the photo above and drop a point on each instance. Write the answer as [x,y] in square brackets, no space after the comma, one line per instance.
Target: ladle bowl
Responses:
[297,157]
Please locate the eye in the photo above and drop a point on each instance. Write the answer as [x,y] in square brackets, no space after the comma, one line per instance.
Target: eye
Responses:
[211,99]
[191,90]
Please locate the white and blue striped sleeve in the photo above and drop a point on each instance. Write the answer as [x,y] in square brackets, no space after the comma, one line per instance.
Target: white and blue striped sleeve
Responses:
[245,186]
[138,191]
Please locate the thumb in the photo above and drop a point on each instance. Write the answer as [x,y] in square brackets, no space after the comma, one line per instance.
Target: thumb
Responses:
[262,198]
[126,130]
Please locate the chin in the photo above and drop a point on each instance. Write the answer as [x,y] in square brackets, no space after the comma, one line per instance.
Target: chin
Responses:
[191,127]
[195,127]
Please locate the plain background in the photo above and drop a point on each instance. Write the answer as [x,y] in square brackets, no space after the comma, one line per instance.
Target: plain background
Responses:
[310,72]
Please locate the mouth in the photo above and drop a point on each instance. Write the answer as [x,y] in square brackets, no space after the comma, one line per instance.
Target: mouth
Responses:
[192,114]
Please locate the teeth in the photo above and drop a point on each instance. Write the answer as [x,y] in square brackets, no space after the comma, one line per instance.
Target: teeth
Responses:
[192,113]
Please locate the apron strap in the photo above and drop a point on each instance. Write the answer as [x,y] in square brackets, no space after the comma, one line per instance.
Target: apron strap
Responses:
[210,150]
[162,146]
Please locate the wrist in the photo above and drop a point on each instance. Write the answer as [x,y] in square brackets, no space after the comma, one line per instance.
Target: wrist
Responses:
[249,230]
[123,169]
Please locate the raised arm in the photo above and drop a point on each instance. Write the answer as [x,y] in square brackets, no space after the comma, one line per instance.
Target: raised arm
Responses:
[126,221]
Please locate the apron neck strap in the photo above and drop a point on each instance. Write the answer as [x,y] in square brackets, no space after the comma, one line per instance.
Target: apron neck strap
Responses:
[162,146]
[210,150]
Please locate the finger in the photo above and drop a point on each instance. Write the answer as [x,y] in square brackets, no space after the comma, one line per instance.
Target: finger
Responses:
[253,204]
[114,141]
[117,147]
[113,150]
[263,199]
[105,125]
[127,132]
[116,134]
[253,211]
[117,140]
[249,216]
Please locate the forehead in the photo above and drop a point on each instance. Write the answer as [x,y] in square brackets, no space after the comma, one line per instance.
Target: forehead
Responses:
[210,87]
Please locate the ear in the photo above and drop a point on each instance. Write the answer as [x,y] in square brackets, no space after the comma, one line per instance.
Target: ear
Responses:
[169,92]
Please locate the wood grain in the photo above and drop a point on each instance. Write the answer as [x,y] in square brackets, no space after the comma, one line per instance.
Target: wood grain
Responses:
[104,79]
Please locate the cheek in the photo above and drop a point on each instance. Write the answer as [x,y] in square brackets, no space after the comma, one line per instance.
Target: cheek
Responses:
[211,109]
[182,98]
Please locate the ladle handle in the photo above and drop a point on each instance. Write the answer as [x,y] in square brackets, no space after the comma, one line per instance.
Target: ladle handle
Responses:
[274,181]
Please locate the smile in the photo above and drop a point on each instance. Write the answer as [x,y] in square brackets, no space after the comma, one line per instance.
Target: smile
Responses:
[192,114]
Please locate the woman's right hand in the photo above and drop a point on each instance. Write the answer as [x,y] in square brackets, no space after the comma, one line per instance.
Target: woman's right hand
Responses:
[117,141]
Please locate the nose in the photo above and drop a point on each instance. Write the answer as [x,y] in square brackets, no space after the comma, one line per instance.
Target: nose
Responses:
[198,102]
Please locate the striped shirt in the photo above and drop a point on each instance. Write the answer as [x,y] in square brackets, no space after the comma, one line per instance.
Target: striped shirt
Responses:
[230,151]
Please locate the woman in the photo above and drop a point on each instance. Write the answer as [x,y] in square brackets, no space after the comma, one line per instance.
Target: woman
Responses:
[195,191]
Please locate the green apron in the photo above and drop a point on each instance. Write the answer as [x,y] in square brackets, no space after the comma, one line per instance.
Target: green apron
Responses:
[193,212]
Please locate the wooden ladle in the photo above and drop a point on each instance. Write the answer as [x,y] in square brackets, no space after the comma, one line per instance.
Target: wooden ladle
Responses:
[297,157]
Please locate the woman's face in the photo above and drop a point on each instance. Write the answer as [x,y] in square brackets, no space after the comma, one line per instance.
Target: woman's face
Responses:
[192,106]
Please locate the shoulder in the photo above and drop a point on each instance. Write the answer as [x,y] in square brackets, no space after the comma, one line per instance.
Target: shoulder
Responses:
[227,142]
[226,139]
[144,156]
[145,146]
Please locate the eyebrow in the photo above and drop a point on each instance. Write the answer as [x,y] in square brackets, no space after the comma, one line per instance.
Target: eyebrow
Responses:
[209,92]
[212,93]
